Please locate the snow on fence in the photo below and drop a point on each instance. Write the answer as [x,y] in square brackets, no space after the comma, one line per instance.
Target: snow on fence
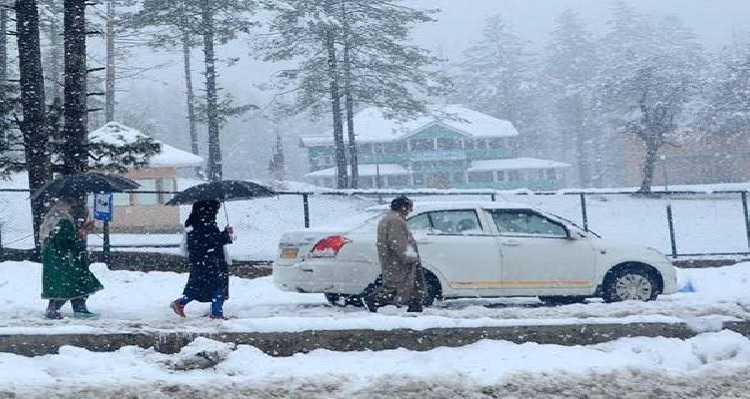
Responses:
[678,223]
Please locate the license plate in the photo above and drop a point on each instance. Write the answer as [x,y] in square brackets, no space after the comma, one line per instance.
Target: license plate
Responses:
[289,253]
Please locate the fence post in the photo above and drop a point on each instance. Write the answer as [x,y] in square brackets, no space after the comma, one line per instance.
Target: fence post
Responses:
[671,231]
[747,220]
[107,245]
[306,206]
[584,214]
[2,250]
[494,197]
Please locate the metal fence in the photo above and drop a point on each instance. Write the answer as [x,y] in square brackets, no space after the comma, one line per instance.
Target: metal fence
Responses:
[679,223]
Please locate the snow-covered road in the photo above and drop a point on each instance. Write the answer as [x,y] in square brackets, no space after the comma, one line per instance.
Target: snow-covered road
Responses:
[134,301]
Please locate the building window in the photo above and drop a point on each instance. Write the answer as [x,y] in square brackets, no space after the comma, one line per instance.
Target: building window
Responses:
[422,144]
[447,143]
[496,143]
[121,199]
[551,174]
[418,179]
[398,181]
[326,160]
[394,148]
[364,149]
[469,144]
[366,182]
[167,184]
[480,177]
[514,175]
[500,175]
[146,198]
[481,144]
[377,148]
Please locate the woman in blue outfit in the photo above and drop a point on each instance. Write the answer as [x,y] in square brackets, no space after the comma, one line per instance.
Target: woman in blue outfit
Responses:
[209,271]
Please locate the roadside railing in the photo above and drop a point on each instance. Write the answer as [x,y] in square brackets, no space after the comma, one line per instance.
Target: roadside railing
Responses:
[679,223]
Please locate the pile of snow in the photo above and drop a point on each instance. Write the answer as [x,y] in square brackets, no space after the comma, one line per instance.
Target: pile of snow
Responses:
[485,366]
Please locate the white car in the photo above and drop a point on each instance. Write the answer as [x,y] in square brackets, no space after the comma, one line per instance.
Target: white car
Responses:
[481,249]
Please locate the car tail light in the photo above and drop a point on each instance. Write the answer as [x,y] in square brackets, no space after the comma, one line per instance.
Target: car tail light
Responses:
[329,247]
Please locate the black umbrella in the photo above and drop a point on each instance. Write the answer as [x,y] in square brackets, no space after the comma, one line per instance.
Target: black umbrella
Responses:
[222,190]
[80,184]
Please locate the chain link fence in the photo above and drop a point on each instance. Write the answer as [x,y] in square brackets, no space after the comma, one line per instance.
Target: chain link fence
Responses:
[680,224]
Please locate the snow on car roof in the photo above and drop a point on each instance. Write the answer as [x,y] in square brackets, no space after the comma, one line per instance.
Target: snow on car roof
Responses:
[425,206]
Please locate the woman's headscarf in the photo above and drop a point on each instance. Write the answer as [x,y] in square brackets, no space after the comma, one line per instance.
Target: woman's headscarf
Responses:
[61,209]
[203,212]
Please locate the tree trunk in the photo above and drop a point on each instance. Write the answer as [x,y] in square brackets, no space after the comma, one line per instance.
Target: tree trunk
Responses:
[75,152]
[349,101]
[3,51]
[190,94]
[648,167]
[4,73]
[212,101]
[33,126]
[109,87]
[54,74]
[582,160]
[342,178]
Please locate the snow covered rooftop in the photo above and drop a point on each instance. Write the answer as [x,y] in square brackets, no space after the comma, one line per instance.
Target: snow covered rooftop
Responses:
[114,132]
[515,163]
[364,170]
[372,126]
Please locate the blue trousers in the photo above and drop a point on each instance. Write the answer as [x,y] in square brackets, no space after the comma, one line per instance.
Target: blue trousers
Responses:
[217,302]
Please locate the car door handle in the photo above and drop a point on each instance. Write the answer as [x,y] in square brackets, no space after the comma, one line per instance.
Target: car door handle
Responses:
[511,243]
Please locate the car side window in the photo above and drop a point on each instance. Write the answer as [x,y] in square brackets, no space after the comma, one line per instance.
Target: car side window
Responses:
[419,222]
[525,222]
[455,222]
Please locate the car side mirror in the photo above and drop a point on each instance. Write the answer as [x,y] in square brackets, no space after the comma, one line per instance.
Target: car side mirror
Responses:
[575,235]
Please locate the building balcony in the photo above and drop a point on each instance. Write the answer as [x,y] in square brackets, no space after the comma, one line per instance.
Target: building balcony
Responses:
[440,155]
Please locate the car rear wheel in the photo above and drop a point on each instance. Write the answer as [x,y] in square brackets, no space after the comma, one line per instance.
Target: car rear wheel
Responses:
[633,283]
[343,300]
[434,290]
[562,300]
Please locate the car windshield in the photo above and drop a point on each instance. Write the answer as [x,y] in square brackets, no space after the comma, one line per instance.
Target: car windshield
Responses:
[572,223]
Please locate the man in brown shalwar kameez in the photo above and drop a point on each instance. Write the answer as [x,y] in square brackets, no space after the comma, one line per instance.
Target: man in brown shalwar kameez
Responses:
[403,276]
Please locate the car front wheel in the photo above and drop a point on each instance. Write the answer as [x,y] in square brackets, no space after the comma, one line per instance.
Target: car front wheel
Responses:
[628,284]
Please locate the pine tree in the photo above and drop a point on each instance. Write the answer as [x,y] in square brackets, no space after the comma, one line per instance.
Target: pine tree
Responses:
[498,76]
[212,22]
[355,51]
[33,125]
[571,61]
[495,72]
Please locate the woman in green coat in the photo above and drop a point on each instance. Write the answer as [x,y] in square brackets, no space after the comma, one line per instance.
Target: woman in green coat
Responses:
[65,263]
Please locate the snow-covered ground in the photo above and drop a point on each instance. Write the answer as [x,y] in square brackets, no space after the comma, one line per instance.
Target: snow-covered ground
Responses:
[713,364]
[135,301]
